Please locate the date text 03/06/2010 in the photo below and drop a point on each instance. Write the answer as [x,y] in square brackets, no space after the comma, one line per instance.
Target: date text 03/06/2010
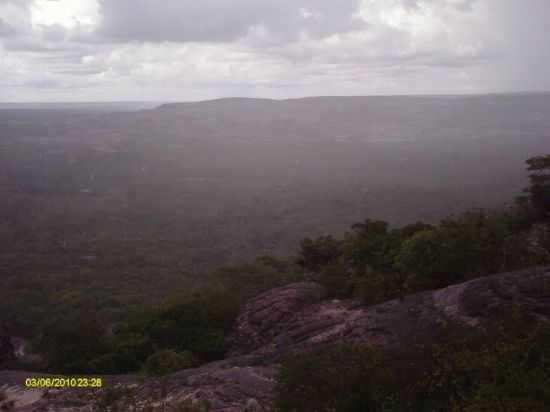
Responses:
[63,382]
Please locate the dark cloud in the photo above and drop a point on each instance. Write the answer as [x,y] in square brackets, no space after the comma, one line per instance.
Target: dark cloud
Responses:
[223,20]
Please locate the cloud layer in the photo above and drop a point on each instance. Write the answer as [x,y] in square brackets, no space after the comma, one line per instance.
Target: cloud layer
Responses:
[186,50]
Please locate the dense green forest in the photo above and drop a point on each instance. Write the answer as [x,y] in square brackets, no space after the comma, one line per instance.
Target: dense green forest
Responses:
[95,205]
[125,255]
[370,262]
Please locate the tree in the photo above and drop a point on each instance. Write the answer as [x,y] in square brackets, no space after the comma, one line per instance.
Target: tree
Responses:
[69,346]
[424,256]
[366,247]
[314,254]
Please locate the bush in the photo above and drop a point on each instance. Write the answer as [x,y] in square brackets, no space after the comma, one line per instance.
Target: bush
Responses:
[366,247]
[504,369]
[376,288]
[341,378]
[114,363]
[335,279]
[314,254]
[427,260]
[506,373]
[167,361]
[70,345]
[195,322]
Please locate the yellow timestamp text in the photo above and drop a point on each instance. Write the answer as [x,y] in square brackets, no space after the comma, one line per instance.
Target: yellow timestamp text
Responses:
[63,382]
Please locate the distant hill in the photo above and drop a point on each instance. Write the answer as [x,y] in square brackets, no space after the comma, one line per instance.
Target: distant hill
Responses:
[82,106]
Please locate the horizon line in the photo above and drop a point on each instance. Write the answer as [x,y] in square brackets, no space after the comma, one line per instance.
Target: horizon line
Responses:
[170,101]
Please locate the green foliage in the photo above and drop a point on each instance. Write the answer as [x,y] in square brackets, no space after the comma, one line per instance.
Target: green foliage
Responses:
[372,262]
[508,372]
[340,378]
[335,278]
[114,363]
[317,253]
[422,255]
[167,361]
[458,249]
[378,287]
[193,325]
[193,322]
[366,246]
[68,347]
[377,263]
[506,369]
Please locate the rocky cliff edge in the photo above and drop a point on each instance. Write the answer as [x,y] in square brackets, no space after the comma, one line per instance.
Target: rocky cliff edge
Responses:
[297,317]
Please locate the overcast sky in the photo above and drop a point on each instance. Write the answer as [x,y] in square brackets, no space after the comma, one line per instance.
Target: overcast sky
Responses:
[93,50]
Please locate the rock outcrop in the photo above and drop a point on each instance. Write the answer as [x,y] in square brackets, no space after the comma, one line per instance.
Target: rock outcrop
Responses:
[266,316]
[296,318]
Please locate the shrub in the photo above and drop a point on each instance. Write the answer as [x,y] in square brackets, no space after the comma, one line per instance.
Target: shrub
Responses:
[314,254]
[167,361]
[377,287]
[505,374]
[505,368]
[335,279]
[366,247]
[341,378]
[70,345]
[114,363]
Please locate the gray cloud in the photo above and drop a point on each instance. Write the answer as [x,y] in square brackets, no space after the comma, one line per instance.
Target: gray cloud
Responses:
[54,33]
[223,20]
[183,49]
[464,5]
[5,29]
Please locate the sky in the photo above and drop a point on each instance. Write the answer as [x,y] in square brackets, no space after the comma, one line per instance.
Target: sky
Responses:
[183,50]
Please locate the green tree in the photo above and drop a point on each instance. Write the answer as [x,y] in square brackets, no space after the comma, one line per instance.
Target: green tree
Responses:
[314,254]
[69,345]
[366,247]
[424,257]
[460,248]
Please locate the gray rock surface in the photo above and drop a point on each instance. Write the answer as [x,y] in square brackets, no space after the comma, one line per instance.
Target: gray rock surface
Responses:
[296,318]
